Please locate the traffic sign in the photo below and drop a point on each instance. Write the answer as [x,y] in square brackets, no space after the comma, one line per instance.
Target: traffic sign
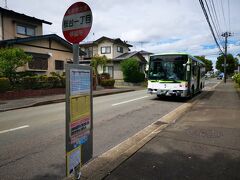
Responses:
[77,22]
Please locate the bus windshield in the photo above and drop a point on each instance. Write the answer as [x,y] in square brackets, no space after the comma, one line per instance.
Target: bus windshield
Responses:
[168,68]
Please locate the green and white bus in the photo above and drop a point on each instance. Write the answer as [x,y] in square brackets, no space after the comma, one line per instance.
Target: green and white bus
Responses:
[175,74]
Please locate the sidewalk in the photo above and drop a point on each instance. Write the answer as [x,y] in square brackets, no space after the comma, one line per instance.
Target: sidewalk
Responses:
[6,105]
[203,144]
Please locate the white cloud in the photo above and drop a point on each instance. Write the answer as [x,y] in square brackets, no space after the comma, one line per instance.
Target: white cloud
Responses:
[166,25]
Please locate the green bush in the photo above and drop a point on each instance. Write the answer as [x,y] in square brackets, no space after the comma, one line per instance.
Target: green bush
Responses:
[131,73]
[42,82]
[4,84]
[54,81]
[24,74]
[61,78]
[108,83]
[139,77]
[236,78]
[31,82]
[105,76]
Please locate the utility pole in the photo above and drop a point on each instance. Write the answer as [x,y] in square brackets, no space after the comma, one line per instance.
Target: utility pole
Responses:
[226,35]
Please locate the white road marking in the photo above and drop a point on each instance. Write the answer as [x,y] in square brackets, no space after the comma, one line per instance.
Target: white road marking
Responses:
[129,101]
[14,129]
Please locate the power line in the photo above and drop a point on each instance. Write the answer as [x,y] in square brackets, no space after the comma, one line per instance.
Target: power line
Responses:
[210,26]
[229,23]
[211,17]
[223,14]
[216,18]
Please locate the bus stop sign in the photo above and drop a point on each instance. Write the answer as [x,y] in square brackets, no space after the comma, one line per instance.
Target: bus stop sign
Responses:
[77,22]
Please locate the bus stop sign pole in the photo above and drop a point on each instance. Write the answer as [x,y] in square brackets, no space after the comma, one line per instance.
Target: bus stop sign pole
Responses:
[76,25]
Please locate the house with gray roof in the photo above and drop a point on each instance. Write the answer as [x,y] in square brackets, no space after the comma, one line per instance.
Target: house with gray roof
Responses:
[49,52]
[114,49]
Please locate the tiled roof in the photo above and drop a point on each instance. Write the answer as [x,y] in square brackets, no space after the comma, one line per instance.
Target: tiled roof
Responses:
[126,55]
[34,38]
[129,55]
[10,12]
[116,41]
[145,52]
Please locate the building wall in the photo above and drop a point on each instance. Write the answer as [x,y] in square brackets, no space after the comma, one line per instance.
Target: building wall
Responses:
[1,32]
[54,55]
[97,49]
[115,53]
[93,49]
[9,27]
[118,75]
[147,57]
[103,44]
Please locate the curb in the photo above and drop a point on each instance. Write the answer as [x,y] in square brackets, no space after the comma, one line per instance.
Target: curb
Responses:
[62,100]
[103,165]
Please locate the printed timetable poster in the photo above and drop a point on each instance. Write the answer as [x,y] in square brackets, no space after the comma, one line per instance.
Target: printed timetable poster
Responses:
[78,117]
[79,81]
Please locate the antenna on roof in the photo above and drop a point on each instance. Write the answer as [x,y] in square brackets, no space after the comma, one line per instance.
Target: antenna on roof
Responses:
[6,7]
[93,34]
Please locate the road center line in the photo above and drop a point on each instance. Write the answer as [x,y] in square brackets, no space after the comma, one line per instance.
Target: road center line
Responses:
[129,101]
[14,129]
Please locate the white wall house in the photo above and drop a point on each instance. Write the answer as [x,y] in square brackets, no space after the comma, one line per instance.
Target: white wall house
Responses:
[115,50]
[146,55]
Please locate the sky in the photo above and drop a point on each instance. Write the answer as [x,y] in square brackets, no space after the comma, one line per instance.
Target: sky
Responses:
[157,26]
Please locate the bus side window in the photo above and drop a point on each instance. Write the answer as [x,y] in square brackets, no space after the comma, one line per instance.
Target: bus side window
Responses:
[194,69]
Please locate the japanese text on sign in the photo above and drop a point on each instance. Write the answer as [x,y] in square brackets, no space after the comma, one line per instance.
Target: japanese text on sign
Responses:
[79,81]
[84,19]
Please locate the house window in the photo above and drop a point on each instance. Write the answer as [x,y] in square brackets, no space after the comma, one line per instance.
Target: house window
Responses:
[106,50]
[120,49]
[25,30]
[39,63]
[59,65]
[109,70]
[89,52]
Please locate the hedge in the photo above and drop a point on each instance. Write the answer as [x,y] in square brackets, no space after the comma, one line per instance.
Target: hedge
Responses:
[108,83]
[4,84]
[236,78]
[135,77]
[43,82]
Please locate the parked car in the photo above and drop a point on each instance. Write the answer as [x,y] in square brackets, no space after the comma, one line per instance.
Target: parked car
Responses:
[220,76]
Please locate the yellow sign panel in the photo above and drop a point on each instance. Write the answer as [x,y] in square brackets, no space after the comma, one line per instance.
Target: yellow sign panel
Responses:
[79,107]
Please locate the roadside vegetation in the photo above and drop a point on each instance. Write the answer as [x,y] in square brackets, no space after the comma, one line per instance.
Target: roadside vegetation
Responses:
[10,79]
[231,64]
[32,81]
[236,78]
[10,60]
[131,71]
[207,62]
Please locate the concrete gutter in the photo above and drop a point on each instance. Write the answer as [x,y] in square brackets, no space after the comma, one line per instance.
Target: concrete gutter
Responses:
[104,164]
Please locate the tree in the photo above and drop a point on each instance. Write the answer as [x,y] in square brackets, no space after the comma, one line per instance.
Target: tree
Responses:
[10,60]
[231,63]
[130,68]
[98,61]
[208,63]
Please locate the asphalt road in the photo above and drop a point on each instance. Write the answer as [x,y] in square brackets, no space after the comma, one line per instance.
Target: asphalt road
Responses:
[32,139]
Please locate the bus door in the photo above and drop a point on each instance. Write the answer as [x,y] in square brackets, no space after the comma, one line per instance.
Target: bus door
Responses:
[198,77]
